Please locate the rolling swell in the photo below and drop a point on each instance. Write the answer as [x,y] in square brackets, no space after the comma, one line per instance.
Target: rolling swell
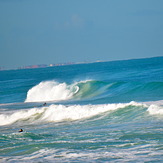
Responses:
[95,90]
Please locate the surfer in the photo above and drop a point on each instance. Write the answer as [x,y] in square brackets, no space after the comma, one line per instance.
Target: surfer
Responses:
[44,104]
[21,130]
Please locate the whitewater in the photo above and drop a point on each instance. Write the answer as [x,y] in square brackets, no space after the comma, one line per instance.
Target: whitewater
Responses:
[96,112]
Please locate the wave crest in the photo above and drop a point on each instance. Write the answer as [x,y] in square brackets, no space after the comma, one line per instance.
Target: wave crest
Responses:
[54,91]
[51,91]
[93,89]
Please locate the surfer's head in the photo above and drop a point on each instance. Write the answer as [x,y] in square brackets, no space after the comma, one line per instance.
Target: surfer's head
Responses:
[21,130]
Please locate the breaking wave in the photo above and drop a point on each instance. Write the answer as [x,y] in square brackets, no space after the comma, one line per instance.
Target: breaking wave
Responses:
[54,91]
[88,89]
[51,91]
[58,113]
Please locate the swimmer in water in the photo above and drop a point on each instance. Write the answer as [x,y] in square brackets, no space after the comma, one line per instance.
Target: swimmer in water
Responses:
[21,130]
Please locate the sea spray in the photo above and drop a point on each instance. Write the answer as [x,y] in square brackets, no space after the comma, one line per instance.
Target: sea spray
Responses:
[50,91]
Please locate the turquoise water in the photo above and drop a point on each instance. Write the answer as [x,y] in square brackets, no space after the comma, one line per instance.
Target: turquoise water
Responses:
[96,112]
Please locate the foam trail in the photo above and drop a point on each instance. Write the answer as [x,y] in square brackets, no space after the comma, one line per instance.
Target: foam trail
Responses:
[51,91]
[58,113]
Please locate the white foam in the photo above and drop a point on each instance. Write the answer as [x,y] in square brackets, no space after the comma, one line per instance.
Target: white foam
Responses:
[69,155]
[75,112]
[6,119]
[51,91]
[155,110]
[57,113]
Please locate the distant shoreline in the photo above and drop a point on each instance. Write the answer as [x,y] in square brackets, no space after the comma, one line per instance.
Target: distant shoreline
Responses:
[68,63]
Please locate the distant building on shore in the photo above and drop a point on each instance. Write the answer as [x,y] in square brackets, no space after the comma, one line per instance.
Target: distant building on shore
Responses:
[41,66]
[44,65]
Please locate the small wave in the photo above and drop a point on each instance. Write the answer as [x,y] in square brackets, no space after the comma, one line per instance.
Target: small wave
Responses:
[58,113]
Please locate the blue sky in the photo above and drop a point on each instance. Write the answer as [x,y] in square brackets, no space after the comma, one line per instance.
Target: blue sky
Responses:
[58,31]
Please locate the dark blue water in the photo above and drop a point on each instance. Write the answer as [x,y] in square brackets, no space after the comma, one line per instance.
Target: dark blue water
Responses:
[96,112]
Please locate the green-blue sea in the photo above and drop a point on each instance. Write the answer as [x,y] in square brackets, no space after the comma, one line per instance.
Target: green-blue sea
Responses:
[94,112]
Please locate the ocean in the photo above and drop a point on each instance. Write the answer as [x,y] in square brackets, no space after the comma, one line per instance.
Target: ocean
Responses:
[93,112]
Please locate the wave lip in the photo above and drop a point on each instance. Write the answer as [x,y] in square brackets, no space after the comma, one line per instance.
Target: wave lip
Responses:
[51,91]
